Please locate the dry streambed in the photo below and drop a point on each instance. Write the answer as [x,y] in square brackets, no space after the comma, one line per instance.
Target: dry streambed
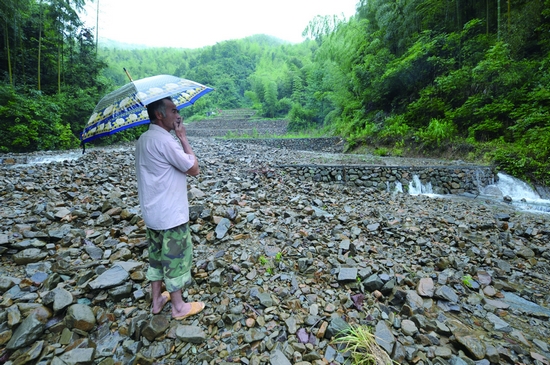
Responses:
[283,267]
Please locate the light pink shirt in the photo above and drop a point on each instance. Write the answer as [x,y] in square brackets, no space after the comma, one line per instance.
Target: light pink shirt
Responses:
[161,164]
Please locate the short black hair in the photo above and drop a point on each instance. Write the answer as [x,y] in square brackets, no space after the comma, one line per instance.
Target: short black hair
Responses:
[157,106]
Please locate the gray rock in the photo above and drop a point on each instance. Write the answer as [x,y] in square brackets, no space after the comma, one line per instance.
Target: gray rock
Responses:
[155,327]
[222,228]
[62,299]
[415,302]
[253,335]
[499,324]
[347,274]
[191,334]
[29,255]
[408,327]
[266,299]
[6,282]
[425,287]
[61,213]
[78,356]
[80,317]
[4,239]
[384,336]
[28,331]
[31,243]
[112,277]
[336,326]
[474,345]
[118,293]
[278,358]
[447,293]
[373,283]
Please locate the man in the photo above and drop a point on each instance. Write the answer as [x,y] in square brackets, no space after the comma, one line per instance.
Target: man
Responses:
[162,166]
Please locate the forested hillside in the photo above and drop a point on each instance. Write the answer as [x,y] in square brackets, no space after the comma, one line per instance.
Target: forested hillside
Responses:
[466,78]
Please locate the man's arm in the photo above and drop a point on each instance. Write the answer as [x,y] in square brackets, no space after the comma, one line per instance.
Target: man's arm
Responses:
[179,128]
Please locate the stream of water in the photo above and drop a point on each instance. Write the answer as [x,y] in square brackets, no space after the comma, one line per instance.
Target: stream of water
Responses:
[522,195]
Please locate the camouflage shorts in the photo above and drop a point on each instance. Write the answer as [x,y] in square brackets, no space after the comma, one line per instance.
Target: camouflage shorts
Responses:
[170,256]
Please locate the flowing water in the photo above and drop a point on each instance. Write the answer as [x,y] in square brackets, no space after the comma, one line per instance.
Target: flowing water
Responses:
[522,195]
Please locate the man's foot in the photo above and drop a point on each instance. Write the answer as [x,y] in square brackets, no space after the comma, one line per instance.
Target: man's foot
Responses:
[189,309]
[159,304]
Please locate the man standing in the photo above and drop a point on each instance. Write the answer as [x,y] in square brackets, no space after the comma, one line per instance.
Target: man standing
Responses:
[162,166]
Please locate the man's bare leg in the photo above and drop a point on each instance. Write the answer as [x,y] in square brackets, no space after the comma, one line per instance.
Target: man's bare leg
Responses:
[158,299]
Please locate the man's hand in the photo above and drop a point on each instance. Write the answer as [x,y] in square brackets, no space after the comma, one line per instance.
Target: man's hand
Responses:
[179,128]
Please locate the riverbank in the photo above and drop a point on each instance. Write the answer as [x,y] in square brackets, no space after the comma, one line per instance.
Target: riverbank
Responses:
[283,266]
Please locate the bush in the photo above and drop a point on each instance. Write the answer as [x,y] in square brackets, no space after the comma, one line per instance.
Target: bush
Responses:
[436,133]
[300,118]
[30,122]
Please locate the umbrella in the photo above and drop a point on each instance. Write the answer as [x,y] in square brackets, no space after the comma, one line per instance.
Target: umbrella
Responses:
[126,107]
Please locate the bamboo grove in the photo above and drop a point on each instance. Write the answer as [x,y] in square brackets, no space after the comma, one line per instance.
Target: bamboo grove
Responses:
[461,78]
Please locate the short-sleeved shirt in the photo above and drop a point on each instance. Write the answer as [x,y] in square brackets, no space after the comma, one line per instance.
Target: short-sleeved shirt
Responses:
[161,164]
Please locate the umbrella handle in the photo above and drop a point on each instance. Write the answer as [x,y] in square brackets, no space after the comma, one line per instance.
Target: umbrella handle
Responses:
[128,74]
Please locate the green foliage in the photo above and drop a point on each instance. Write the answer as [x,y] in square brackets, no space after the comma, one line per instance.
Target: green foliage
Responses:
[436,133]
[394,129]
[32,123]
[381,151]
[467,281]
[300,118]
[529,161]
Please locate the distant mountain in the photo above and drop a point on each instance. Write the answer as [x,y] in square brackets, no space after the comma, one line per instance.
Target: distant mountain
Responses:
[262,39]
[109,43]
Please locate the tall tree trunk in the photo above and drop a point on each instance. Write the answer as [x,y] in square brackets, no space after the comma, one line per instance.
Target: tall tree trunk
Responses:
[59,52]
[498,20]
[458,25]
[8,54]
[97,28]
[508,15]
[58,71]
[487,17]
[39,44]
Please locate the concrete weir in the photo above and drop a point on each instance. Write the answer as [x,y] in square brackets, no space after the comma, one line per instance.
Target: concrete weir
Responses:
[444,179]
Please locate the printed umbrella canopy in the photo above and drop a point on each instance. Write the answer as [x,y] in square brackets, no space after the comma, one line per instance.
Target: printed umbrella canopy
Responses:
[126,107]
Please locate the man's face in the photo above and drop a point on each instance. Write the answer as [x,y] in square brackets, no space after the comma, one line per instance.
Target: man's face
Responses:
[172,117]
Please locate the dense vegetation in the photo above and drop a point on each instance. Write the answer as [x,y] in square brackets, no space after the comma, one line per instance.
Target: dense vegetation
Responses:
[466,78]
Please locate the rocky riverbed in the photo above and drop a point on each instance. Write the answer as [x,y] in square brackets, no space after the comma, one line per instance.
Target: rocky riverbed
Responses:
[283,267]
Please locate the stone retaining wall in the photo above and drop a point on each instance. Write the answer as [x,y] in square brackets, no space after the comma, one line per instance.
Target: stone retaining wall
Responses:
[329,144]
[236,127]
[442,179]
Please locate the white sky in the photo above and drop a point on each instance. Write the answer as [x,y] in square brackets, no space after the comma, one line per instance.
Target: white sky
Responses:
[199,23]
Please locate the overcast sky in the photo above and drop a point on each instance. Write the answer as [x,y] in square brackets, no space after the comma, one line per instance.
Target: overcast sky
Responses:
[199,23]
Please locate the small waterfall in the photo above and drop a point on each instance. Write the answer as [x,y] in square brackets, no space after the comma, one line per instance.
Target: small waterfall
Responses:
[522,194]
[398,187]
[514,188]
[416,187]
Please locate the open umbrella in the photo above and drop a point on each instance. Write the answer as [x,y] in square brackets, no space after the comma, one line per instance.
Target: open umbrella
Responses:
[126,107]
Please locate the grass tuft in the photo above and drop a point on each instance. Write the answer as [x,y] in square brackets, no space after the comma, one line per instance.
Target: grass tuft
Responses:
[361,345]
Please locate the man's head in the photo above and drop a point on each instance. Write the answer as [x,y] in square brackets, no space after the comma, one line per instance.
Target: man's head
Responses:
[157,106]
